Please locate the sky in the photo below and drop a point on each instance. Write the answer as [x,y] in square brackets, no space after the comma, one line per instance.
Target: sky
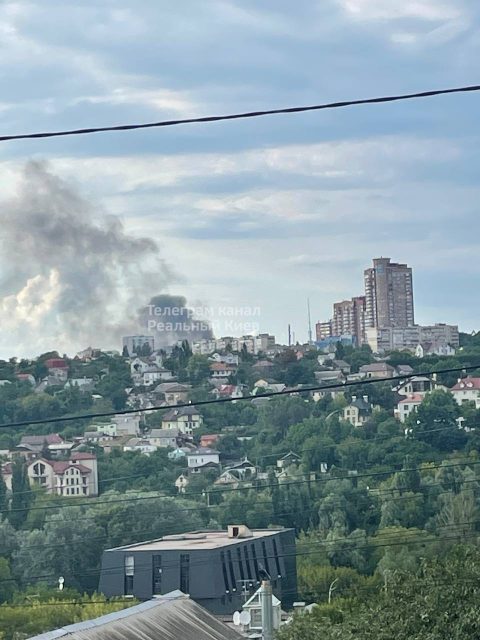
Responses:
[256,214]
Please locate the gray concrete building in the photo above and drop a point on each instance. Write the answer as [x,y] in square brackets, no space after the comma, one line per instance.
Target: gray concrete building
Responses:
[216,568]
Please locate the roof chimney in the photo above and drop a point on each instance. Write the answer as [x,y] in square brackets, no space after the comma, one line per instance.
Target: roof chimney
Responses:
[354,398]
[239,531]
[365,398]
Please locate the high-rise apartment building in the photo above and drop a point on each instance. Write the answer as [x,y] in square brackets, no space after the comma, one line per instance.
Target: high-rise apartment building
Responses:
[349,319]
[388,295]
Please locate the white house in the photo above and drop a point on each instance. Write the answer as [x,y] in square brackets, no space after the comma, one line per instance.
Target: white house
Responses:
[467,390]
[202,456]
[181,483]
[409,404]
[127,424]
[139,444]
[222,370]
[419,385]
[358,411]
[164,438]
[72,478]
[184,419]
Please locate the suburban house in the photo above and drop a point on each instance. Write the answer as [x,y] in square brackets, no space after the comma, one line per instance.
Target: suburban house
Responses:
[358,411]
[75,477]
[209,439]
[58,368]
[199,458]
[208,565]
[174,616]
[184,419]
[164,438]
[173,392]
[84,384]
[222,370]
[377,370]
[32,446]
[140,444]
[243,470]
[26,377]
[227,358]
[288,459]
[409,404]
[227,391]
[419,385]
[467,390]
[127,424]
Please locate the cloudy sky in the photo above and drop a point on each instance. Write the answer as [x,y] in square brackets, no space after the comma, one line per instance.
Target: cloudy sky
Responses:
[260,213]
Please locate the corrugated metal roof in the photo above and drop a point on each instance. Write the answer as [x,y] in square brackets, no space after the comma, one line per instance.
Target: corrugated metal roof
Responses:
[170,617]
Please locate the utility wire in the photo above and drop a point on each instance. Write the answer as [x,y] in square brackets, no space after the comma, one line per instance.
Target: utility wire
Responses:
[244,115]
[313,481]
[270,394]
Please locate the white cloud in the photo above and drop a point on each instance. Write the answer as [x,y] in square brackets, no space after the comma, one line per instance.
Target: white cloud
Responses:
[430,10]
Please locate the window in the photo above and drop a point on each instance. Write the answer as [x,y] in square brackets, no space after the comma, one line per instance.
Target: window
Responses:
[129,572]
[232,572]
[265,557]
[277,559]
[255,561]
[240,564]
[247,563]
[156,574]
[185,572]
[224,572]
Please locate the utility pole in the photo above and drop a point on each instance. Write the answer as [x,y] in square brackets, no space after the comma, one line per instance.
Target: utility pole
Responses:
[267,610]
[310,341]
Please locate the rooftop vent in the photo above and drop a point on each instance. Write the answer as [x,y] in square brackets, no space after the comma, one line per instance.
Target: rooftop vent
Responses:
[239,531]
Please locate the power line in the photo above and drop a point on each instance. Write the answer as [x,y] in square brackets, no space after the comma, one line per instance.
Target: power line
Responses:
[314,481]
[244,115]
[270,394]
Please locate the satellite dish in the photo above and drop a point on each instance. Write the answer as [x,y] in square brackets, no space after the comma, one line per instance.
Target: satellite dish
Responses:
[245,618]
[236,618]
[61,582]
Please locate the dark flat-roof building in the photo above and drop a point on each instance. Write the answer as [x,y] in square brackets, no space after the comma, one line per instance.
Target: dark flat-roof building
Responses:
[217,568]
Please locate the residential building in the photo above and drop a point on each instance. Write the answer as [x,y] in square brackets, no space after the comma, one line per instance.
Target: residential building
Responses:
[253,605]
[174,616]
[208,565]
[209,439]
[201,457]
[323,330]
[409,404]
[184,419]
[181,483]
[222,370]
[84,384]
[388,295]
[27,377]
[32,446]
[467,390]
[288,459]
[263,342]
[227,391]
[349,319]
[127,424]
[358,411]
[154,374]
[142,445]
[75,477]
[418,385]
[164,438]
[438,339]
[377,370]
[173,392]
[135,344]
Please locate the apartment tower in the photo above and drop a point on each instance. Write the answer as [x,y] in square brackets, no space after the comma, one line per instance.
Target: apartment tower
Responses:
[388,295]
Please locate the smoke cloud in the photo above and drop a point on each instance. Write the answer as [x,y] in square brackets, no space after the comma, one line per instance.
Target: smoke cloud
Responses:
[71,276]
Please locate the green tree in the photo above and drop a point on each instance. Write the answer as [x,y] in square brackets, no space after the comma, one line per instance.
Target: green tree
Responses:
[21,494]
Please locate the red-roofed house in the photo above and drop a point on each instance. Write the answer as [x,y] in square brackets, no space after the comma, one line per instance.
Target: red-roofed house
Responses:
[222,370]
[467,390]
[407,405]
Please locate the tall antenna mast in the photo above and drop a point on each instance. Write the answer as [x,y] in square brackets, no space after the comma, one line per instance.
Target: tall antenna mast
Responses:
[310,341]
[289,335]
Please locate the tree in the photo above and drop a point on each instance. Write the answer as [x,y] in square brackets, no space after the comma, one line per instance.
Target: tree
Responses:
[21,494]
[3,496]
[435,422]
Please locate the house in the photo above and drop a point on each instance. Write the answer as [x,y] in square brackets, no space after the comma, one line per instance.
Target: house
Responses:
[434,349]
[409,404]
[84,384]
[58,368]
[227,358]
[164,438]
[209,565]
[344,367]
[243,470]
[127,424]
[228,478]
[288,459]
[140,444]
[263,367]
[173,392]
[467,390]
[75,477]
[184,419]
[209,439]
[174,616]
[179,453]
[222,370]
[358,411]
[32,446]
[329,377]
[155,374]
[377,370]
[181,483]
[419,385]
[404,369]
[88,354]
[202,456]
[26,377]
[227,391]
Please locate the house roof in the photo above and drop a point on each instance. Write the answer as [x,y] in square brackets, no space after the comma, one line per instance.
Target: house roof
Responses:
[413,398]
[51,438]
[174,616]
[361,404]
[206,451]
[467,384]
[173,414]
[61,467]
[164,433]
[376,367]
[222,366]
[83,455]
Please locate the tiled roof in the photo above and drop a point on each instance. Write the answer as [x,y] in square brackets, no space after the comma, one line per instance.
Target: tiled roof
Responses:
[412,398]
[83,455]
[467,384]
[51,438]
[61,467]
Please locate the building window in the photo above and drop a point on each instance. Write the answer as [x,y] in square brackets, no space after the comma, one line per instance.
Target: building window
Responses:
[265,557]
[247,563]
[224,572]
[185,573]
[232,572]
[240,564]
[129,572]
[277,559]
[157,574]
[255,561]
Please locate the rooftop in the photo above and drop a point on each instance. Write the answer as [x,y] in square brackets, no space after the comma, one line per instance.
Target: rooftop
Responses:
[172,616]
[198,540]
